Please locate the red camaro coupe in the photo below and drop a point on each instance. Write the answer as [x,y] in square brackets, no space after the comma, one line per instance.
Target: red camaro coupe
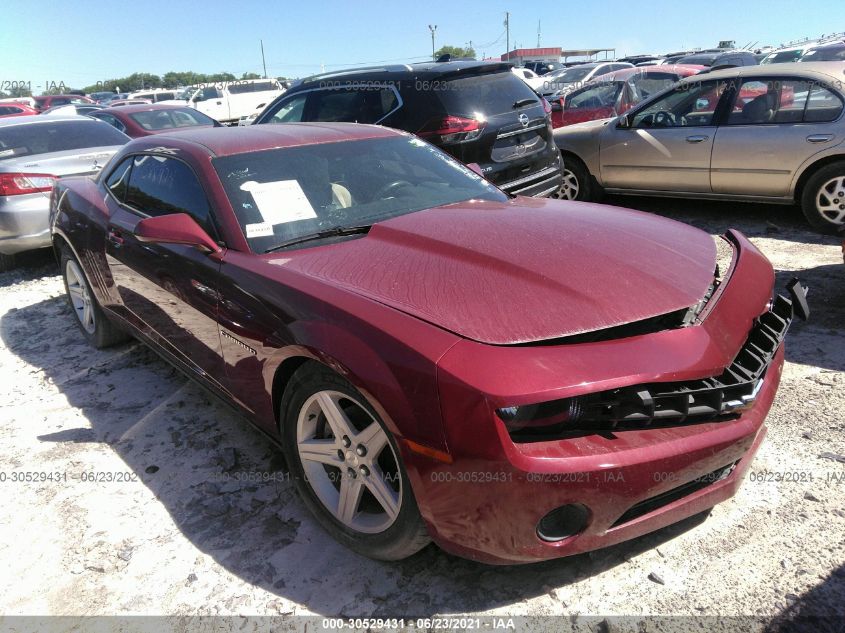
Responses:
[137,120]
[515,378]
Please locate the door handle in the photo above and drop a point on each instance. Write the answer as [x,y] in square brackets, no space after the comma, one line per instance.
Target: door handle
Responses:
[819,138]
[115,239]
[696,139]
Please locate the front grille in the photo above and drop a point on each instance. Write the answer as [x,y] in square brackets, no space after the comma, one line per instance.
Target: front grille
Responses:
[654,405]
[722,396]
[664,499]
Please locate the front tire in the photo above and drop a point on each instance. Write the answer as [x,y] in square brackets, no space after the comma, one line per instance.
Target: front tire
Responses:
[577,182]
[89,317]
[346,466]
[823,199]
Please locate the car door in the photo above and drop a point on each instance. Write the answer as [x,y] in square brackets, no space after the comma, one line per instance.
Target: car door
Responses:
[667,145]
[774,126]
[170,290]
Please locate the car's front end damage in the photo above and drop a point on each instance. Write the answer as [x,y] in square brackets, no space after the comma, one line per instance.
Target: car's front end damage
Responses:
[564,446]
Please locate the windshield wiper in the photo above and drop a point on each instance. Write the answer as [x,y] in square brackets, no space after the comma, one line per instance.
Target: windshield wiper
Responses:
[335,231]
[524,102]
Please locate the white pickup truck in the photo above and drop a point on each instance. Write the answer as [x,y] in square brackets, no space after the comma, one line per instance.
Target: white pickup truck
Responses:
[228,101]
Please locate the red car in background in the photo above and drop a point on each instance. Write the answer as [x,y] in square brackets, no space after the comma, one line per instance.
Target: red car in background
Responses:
[15,109]
[145,119]
[48,101]
[615,93]
[515,378]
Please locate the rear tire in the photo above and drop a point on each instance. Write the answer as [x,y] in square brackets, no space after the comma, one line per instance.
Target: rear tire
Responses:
[823,199]
[7,262]
[365,503]
[95,326]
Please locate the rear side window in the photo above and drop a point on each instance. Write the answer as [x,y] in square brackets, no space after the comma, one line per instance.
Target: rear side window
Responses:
[160,186]
[355,105]
[762,101]
[487,94]
[43,138]
[822,106]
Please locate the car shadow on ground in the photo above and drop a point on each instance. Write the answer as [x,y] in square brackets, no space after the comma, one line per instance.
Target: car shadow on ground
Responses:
[819,610]
[30,265]
[190,450]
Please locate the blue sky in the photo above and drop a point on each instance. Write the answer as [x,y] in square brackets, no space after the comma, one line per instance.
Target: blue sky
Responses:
[81,42]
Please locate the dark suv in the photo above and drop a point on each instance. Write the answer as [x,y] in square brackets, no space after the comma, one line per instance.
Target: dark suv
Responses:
[478,112]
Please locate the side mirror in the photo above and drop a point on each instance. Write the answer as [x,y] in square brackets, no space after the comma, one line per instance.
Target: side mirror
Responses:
[176,228]
[624,122]
[476,168]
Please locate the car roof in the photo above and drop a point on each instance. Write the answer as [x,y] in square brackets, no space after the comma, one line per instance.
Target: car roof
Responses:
[145,107]
[40,118]
[822,71]
[429,69]
[627,73]
[226,141]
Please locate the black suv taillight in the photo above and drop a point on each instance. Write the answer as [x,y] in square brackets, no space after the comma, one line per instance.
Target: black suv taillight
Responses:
[451,129]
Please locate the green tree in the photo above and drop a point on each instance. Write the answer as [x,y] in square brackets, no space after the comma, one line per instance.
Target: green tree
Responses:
[251,76]
[454,51]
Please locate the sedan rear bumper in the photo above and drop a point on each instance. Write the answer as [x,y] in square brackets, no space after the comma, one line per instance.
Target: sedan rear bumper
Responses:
[24,222]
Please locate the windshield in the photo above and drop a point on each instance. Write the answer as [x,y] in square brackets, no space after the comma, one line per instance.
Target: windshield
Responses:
[601,96]
[825,54]
[164,119]
[59,136]
[284,194]
[782,57]
[186,93]
[569,75]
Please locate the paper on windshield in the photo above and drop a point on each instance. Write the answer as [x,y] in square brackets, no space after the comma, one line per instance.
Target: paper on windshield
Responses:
[281,201]
[259,229]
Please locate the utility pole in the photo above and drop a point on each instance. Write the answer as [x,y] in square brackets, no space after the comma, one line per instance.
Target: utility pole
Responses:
[263,63]
[538,33]
[432,29]
[470,46]
[507,32]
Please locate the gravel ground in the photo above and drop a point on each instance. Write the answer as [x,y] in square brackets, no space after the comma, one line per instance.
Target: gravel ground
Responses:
[179,530]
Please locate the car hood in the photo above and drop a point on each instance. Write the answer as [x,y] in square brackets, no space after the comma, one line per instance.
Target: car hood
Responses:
[520,271]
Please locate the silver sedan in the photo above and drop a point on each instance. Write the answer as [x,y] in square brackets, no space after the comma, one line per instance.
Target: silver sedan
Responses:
[34,152]
[759,134]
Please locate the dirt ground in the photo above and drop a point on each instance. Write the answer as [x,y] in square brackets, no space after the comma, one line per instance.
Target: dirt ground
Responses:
[179,528]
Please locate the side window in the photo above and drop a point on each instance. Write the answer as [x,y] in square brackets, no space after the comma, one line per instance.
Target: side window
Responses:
[822,106]
[160,186]
[364,105]
[688,105]
[290,110]
[118,180]
[769,101]
[6,110]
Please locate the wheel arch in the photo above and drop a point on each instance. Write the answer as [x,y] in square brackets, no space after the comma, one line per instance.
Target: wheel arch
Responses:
[373,375]
[808,171]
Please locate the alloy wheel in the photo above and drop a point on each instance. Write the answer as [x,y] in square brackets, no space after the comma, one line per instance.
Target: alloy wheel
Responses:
[348,462]
[830,200]
[80,296]
[569,188]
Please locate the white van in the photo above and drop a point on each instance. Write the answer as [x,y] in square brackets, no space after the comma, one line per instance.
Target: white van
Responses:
[228,101]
